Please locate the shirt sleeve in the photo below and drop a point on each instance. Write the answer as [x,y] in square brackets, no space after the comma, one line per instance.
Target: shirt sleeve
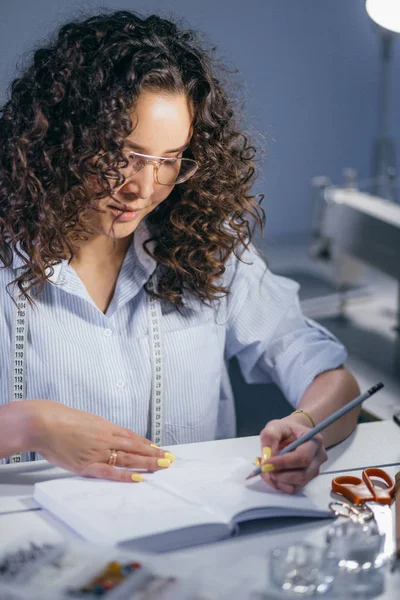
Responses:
[268,333]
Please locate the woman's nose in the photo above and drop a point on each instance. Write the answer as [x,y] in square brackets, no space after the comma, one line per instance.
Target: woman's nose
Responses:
[142,183]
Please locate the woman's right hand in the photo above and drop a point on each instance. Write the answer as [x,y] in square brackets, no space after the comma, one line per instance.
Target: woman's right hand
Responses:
[82,442]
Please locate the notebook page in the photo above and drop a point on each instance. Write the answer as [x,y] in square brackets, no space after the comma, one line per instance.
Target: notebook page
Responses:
[200,472]
[109,512]
[222,485]
[196,479]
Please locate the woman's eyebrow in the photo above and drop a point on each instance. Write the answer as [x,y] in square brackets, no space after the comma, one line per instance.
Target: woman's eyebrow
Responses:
[144,150]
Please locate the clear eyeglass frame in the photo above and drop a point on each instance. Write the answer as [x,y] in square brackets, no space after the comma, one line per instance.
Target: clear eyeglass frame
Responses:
[181,168]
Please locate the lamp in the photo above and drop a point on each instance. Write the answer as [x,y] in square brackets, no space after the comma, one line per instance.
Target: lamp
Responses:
[386,15]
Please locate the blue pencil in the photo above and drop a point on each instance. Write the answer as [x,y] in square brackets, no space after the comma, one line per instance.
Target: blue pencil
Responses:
[325,423]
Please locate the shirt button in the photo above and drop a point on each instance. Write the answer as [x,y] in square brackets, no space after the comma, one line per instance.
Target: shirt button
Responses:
[120,384]
[108,332]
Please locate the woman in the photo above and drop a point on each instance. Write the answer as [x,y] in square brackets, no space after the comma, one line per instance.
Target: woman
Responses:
[129,277]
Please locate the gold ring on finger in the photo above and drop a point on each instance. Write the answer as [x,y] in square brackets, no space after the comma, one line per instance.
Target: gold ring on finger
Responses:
[113,457]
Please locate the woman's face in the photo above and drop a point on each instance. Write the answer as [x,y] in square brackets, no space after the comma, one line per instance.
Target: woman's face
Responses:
[163,129]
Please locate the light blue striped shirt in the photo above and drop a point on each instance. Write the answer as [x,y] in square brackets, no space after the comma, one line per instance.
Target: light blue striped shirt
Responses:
[100,363]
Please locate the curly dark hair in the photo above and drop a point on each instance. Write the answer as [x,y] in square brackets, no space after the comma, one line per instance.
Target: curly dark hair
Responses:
[72,104]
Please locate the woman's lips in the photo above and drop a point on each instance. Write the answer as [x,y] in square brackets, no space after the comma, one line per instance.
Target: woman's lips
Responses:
[128,215]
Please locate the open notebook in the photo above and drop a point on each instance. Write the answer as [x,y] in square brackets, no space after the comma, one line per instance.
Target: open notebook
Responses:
[192,502]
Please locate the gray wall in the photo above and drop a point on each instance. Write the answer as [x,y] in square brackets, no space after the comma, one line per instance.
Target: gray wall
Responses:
[309,70]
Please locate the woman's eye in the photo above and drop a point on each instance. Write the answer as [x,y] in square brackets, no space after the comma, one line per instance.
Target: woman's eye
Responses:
[134,160]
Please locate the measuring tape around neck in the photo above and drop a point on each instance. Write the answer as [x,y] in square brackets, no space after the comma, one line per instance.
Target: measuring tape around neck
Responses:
[18,361]
[157,366]
[18,366]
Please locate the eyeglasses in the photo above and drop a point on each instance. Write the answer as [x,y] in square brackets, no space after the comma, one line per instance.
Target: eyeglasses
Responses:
[167,171]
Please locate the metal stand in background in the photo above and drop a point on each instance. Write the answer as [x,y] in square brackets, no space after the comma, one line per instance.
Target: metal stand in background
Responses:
[384,154]
[320,244]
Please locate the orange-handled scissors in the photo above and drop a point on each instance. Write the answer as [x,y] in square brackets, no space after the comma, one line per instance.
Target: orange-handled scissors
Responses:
[376,491]
[360,491]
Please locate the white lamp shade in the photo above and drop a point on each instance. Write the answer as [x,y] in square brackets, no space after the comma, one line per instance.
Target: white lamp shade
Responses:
[385,13]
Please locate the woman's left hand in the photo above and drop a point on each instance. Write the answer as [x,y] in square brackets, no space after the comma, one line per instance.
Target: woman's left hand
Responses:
[292,471]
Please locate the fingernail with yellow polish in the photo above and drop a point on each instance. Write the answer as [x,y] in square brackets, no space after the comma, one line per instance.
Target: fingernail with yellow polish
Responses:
[266,453]
[169,456]
[267,468]
[136,477]
[163,462]
[257,461]
[154,446]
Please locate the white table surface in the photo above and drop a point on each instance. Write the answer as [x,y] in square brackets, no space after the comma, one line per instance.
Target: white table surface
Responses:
[239,559]
[370,445]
